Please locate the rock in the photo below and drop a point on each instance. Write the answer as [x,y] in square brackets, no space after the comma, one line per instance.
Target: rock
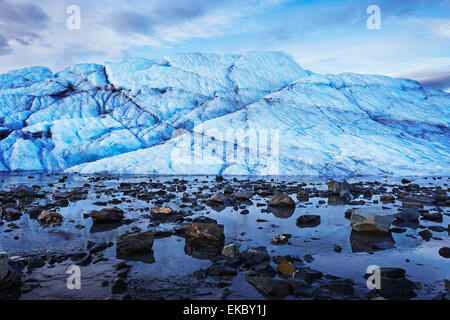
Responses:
[308,221]
[436,216]
[119,286]
[281,200]
[396,289]
[243,195]
[220,269]
[268,286]
[107,215]
[23,192]
[35,263]
[386,198]
[230,250]
[98,248]
[370,222]
[85,261]
[303,196]
[49,217]
[11,214]
[264,269]
[308,274]
[161,213]
[10,281]
[410,215]
[128,245]
[445,252]
[205,231]
[255,256]
[219,198]
[286,268]
[426,235]
[340,188]
[280,240]
[337,248]
[406,181]
[339,287]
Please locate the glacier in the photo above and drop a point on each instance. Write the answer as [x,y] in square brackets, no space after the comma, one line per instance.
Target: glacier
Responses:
[258,113]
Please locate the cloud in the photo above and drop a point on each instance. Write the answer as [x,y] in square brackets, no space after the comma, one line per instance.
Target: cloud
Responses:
[22,23]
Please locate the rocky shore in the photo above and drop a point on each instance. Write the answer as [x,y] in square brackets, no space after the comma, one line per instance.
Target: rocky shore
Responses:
[143,237]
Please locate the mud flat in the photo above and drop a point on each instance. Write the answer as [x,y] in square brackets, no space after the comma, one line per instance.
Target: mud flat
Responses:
[169,237]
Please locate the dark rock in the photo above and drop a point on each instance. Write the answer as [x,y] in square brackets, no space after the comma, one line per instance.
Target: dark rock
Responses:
[445,252]
[128,245]
[10,281]
[308,221]
[340,188]
[268,286]
[255,256]
[264,269]
[119,286]
[221,269]
[35,263]
[426,235]
[281,200]
[410,215]
[107,215]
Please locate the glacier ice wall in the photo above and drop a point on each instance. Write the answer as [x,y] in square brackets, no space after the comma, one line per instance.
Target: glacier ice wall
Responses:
[258,113]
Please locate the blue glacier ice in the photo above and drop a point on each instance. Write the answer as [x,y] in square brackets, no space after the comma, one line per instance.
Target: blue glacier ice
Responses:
[190,113]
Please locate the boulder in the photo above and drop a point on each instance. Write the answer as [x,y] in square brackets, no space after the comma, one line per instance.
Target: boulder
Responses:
[10,281]
[210,232]
[128,245]
[340,188]
[370,221]
[281,200]
[49,217]
[230,250]
[387,198]
[308,221]
[410,215]
[243,195]
[268,286]
[107,215]
[219,198]
[286,269]
[255,256]
[445,252]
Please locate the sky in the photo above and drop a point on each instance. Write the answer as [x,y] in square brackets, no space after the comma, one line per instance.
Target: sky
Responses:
[413,40]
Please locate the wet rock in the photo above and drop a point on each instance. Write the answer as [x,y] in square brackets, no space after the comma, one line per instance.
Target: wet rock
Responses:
[219,198]
[281,200]
[255,256]
[406,181]
[11,214]
[445,252]
[243,195]
[161,213]
[387,198]
[98,248]
[308,274]
[10,281]
[303,196]
[119,286]
[436,216]
[205,231]
[301,288]
[410,215]
[370,221]
[286,269]
[23,192]
[339,287]
[308,221]
[280,239]
[221,269]
[107,215]
[426,235]
[340,188]
[268,286]
[85,261]
[396,289]
[230,250]
[35,263]
[49,218]
[337,248]
[128,245]
[264,269]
